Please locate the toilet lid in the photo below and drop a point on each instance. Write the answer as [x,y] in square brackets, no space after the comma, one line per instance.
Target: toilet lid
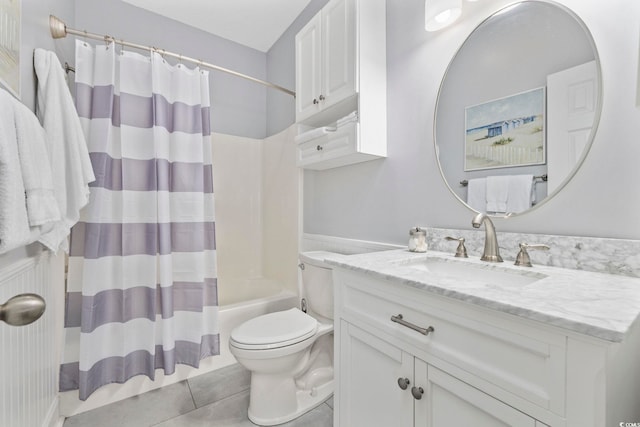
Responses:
[274,330]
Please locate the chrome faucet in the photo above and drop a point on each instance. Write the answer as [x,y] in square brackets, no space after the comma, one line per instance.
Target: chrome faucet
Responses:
[491,249]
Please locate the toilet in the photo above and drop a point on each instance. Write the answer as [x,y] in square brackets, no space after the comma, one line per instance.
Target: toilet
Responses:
[290,352]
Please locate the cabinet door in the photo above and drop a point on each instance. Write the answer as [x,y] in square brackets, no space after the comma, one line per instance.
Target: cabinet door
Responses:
[368,391]
[308,68]
[338,51]
[450,402]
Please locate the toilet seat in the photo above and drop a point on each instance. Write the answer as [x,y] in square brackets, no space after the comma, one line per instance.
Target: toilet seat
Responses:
[274,330]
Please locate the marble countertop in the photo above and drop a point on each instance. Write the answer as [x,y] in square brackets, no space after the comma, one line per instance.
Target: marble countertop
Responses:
[600,305]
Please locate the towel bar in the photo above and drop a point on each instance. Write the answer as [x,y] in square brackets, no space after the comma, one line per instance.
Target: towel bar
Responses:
[544,177]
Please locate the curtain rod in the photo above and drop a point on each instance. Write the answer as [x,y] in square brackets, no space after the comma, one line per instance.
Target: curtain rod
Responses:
[60,30]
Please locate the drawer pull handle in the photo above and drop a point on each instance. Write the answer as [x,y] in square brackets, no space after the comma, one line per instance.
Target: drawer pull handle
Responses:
[400,320]
[319,148]
[403,383]
[417,392]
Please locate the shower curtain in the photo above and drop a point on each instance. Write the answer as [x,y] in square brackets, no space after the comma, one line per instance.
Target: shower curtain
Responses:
[141,285]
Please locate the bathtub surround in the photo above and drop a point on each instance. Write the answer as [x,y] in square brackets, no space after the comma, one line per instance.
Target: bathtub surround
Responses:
[142,283]
[257,193]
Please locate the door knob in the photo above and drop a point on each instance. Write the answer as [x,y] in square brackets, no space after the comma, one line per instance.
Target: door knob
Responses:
[417,392]
[403,383]
[22,309]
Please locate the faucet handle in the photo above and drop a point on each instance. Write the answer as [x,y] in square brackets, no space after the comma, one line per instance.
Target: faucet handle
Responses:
[523,258]
[461,250]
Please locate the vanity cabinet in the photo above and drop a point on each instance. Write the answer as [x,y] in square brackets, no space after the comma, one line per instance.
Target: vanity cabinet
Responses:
[341,68]
[382,385]
[474,366]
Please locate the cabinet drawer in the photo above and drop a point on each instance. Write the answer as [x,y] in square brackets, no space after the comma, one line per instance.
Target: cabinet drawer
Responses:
[523,360]
[328,150]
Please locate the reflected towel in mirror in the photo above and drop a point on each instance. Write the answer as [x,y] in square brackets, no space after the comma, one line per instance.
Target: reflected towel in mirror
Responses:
[497,194]
[477,194]
[521,193]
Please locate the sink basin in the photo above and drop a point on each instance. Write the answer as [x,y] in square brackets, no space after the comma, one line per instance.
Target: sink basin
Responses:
[489,274]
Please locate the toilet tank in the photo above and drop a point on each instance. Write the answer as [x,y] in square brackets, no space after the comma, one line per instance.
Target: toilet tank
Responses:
[317,283]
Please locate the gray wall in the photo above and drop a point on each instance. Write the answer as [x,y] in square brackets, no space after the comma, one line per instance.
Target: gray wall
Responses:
[281,70]
[238,106]
[380,200]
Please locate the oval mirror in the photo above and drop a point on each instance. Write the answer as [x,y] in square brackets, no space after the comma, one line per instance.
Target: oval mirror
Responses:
[518,108]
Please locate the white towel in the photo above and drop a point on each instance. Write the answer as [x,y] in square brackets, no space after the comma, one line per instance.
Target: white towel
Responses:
[477,194]
[351,117]
[497,193]
[520,193]
[313,134]
[14,226]
[70,163]
[42,206]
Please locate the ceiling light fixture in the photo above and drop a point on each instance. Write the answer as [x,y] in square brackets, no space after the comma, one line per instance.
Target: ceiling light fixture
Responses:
[440,13]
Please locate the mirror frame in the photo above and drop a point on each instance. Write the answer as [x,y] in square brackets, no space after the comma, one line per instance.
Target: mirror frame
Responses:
[597,111]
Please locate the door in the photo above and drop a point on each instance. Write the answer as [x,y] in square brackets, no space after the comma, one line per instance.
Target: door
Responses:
[571,106]
[338,51]
[308,68]
[450,402]
[370,393]
[28,351]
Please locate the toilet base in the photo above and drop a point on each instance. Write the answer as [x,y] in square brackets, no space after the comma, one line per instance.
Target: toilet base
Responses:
[306,401]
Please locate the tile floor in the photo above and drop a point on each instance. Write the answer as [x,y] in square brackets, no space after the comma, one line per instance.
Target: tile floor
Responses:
[216,399]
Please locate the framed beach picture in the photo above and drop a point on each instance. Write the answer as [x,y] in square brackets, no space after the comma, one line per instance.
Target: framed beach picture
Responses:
[10,45]
[506,132]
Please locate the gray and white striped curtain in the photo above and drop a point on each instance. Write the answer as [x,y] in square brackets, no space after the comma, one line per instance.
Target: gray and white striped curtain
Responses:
[142,287]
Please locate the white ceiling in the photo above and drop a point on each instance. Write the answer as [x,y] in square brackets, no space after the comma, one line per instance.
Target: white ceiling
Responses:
[254,23]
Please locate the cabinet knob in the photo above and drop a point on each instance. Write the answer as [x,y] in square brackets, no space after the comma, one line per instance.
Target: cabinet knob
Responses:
[403,383]
[417,392]
[319,148]
[321,98]
[315,101]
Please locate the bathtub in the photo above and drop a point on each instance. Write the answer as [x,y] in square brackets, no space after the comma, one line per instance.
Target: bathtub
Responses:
[250,298]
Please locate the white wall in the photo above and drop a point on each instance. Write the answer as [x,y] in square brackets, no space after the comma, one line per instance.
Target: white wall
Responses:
[381,200]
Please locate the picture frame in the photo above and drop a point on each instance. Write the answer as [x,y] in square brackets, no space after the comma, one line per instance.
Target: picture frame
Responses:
[10,33]
[506,132]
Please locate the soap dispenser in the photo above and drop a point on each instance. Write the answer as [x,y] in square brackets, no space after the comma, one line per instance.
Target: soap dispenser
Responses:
[418,239]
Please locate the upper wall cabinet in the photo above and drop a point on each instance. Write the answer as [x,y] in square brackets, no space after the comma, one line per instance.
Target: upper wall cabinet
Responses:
[325,59]
[341,68]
